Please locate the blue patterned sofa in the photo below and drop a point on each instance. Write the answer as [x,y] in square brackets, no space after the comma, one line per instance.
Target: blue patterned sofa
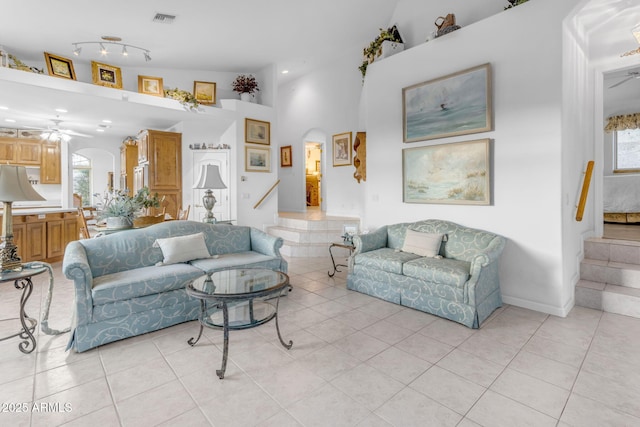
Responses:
[460,282]
[120,291]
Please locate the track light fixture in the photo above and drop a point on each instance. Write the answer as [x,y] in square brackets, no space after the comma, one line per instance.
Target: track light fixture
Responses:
[110,40]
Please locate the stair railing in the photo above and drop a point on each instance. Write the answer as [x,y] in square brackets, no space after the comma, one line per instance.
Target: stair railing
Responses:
[585,190]
[266,194]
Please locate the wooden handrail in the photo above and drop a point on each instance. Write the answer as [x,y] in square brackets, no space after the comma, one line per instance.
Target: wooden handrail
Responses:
[266,194]
[585,190]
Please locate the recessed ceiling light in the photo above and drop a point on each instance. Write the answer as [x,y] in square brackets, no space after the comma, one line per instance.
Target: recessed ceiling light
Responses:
[99,130]
[2,107]
[61,110]
[285,71]
[9,120]
[106,121]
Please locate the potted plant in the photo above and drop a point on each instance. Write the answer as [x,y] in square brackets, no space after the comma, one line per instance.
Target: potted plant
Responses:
[514,3]
[120,209]
[375,49]
[245,85]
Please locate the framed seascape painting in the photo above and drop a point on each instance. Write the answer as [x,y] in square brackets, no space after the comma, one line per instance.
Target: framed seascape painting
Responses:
[257,131]
[457,104]
[106,75]
[59,66]
[456,173]
[257,159]
[150,85]
[205,92]
[342,149]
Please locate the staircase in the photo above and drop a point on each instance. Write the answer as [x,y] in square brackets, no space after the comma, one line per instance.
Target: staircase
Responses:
[309,235]
[610,276]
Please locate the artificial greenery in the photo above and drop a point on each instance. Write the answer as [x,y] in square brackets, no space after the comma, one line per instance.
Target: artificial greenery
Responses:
[375,47]
[19,65]
[514,3]
[120,204]
[185,98]
[245,84]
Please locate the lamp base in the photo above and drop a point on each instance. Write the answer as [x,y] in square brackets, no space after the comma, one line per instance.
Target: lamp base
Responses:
[209,201]
[9,259]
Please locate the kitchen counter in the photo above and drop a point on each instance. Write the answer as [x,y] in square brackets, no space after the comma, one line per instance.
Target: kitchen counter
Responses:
[38,210]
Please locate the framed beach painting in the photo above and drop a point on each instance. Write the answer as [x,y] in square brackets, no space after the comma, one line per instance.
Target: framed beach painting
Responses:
[456,104]
[257,131]
[257,159]
[150,85]
[205,92]
[456,173]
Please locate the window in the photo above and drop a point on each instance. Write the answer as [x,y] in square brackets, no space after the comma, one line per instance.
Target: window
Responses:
[82,178]
[627,151]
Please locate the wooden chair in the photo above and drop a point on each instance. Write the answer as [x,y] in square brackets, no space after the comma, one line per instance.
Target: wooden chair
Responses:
[82,225]
[183,214]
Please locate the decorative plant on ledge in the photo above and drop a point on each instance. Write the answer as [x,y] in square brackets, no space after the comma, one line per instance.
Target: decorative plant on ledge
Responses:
[187,99]
[245,84]
[375,47]
[514,3]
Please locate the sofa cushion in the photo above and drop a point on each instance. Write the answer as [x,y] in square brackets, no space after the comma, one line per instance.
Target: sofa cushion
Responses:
[385,259]
[447,271]
[182,248]
[138,282]
[246,259]
[423,244]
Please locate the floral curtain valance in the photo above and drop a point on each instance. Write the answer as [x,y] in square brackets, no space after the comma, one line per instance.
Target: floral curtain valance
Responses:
[627,121]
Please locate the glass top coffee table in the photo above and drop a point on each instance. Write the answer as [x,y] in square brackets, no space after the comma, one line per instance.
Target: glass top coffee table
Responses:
[238,299]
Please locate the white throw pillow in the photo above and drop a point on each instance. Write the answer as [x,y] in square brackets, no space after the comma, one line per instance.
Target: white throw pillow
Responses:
[423,244]
[182,248]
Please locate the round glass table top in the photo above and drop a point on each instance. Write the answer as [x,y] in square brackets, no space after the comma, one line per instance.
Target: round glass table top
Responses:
[238,282]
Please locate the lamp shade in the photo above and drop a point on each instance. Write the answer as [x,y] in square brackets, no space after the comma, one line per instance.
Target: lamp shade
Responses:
[15,186]
[209,178]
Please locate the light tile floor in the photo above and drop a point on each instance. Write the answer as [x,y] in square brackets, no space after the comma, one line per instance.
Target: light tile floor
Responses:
[355,361]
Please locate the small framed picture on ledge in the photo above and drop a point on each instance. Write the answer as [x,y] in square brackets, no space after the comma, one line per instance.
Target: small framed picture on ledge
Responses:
[150,86]
[285,157]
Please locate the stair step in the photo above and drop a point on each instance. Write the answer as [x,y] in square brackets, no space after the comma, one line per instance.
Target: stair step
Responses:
[315,250]
[615,273]
[609,298]
[330,223]
[305,236]
[624,251]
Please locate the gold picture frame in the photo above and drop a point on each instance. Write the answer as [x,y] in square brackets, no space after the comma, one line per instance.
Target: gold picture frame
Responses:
[342,149]
[106,75]
[59,66]
[257,131]
[150,85]
[205,92]
[257,159]
[285,157]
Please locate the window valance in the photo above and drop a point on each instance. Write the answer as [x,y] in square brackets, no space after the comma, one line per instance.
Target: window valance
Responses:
[627,121]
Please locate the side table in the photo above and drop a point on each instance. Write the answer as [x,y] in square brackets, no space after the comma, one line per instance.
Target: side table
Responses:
[346,245]
[22,280]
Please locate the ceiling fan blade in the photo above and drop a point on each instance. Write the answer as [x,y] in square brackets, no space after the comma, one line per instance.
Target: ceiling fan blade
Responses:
[621,81]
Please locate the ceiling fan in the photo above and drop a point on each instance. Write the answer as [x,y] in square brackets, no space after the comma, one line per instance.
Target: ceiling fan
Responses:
[630,75]
[55,133]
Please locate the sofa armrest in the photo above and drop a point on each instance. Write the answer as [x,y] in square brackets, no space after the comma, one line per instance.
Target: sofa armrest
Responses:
[484,272]
[75,266]
[370,241]
[265,244]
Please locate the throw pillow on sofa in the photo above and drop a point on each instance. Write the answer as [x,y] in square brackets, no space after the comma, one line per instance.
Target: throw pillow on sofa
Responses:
[182,248]
[423,244]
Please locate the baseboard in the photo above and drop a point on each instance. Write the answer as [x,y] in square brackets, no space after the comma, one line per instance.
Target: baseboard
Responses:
[543,308]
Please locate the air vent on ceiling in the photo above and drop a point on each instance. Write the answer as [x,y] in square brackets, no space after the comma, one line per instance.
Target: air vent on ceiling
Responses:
[164,18]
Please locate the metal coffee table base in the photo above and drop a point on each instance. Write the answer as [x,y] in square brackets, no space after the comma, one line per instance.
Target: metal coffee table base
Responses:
[205,320]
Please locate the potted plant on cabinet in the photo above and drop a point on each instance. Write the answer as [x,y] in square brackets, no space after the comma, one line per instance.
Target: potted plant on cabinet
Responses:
[245,85]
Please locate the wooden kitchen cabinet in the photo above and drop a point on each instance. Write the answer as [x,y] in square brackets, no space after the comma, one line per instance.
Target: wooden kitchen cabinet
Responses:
[8,150]
[35,241]
[128,161]
[55,238]
[29,152]
[163,154]
[50,170]
[19,231]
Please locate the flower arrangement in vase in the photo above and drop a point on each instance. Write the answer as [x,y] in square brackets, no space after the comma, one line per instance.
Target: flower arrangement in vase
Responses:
[187,99]
[245,85]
